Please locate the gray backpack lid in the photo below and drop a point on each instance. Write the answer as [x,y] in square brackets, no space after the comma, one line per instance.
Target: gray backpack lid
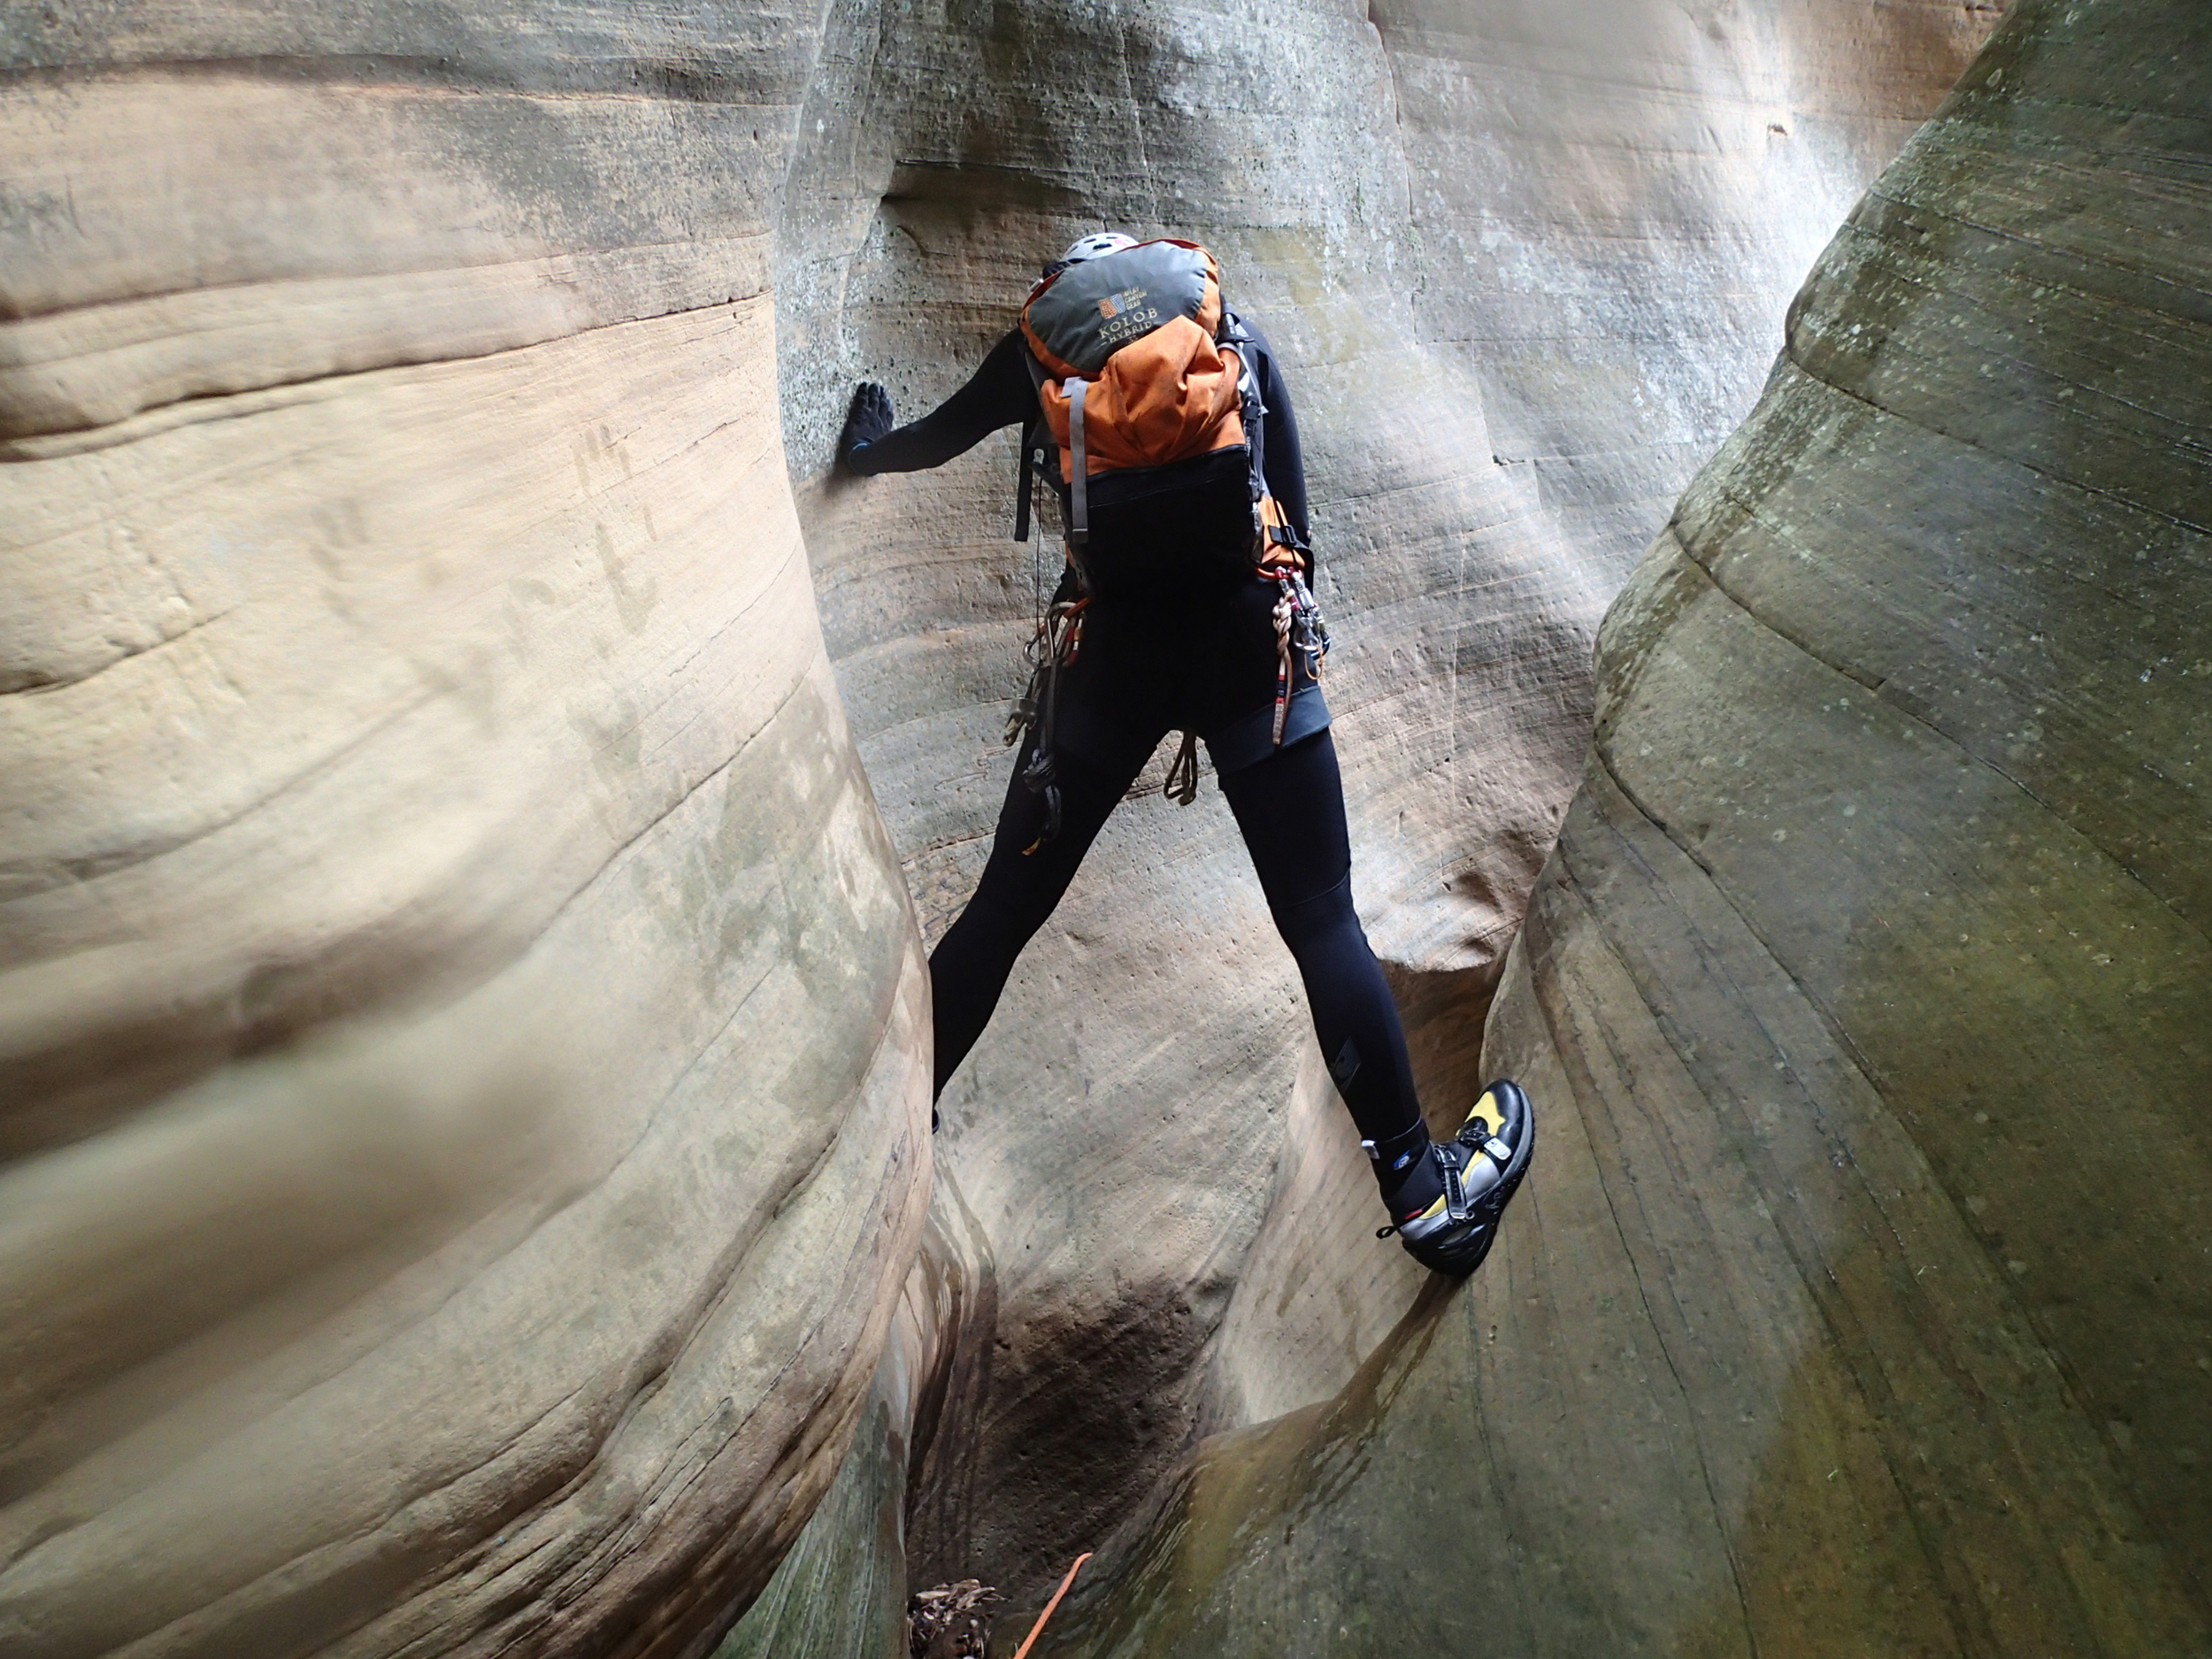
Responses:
[1092,309]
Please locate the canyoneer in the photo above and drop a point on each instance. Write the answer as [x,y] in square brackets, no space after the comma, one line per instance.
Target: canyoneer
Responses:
[1160,420]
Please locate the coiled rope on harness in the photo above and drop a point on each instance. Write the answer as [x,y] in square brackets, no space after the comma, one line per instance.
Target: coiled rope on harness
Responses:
[1058,638]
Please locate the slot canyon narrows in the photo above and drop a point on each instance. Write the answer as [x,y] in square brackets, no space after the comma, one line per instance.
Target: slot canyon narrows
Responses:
[479,786]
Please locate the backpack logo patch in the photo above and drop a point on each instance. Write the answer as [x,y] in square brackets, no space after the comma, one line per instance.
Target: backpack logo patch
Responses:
[1125,316]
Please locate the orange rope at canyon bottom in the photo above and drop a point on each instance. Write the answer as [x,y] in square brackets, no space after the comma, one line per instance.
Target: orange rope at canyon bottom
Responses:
[1030,1640]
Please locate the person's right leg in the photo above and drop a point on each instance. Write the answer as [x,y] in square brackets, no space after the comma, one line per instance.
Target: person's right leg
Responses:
[969,968]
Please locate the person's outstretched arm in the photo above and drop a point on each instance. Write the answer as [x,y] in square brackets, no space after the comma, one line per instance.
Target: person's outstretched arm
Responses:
[999,394]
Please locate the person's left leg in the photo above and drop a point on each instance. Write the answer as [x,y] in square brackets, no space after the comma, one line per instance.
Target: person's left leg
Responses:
[1022,883]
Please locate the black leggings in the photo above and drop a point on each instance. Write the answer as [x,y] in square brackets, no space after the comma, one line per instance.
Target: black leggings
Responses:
[1290,808]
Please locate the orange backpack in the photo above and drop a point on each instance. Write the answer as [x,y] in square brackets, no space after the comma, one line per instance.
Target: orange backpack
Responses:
[1146,386]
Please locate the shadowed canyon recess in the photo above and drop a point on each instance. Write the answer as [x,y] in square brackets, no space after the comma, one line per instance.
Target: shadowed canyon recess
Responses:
[481,789]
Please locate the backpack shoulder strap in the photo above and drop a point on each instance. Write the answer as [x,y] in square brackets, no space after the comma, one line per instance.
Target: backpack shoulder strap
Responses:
[1233,333]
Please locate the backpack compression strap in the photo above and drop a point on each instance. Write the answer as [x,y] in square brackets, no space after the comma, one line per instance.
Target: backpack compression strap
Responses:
[1079,513]
[1036,449]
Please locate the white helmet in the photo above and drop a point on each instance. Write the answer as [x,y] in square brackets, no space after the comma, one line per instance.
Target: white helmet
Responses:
[1097,246]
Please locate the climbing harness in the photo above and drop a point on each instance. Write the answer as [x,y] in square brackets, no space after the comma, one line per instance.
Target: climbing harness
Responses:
[1054,639]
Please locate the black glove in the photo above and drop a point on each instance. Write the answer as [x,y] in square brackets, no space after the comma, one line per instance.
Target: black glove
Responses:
[868,419]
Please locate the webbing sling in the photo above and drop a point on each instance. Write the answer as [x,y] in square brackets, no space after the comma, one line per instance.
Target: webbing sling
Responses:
[1022,491]
[1079,529]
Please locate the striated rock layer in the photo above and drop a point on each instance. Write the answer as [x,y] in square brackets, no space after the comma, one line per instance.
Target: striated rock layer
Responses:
[1858,1300]
[1523,266]
[462,1040]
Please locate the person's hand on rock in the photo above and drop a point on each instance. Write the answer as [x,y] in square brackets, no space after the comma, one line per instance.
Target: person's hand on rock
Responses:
[868,419]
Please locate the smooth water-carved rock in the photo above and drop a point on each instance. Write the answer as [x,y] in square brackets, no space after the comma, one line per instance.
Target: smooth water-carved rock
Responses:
[1857,1299]
[842,1591]
[462,1030]
[1524,272]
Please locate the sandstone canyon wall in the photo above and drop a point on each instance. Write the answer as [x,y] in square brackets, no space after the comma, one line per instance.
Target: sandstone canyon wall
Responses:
[1857,1301]
[463,1017]
[463,1039]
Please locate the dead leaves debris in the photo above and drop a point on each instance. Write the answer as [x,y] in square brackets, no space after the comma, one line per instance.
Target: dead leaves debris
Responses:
[951,1622]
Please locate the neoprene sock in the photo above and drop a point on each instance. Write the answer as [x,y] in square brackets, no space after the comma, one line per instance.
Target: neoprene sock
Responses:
[1404,1170]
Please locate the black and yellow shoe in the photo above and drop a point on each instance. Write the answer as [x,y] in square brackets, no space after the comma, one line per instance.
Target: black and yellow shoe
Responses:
[1480,1168]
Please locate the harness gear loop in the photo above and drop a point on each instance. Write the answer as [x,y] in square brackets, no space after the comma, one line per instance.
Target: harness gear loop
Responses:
[1299,628]
[1182,772]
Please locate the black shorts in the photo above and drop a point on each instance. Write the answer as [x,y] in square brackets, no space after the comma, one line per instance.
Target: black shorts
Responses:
[1198,656]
